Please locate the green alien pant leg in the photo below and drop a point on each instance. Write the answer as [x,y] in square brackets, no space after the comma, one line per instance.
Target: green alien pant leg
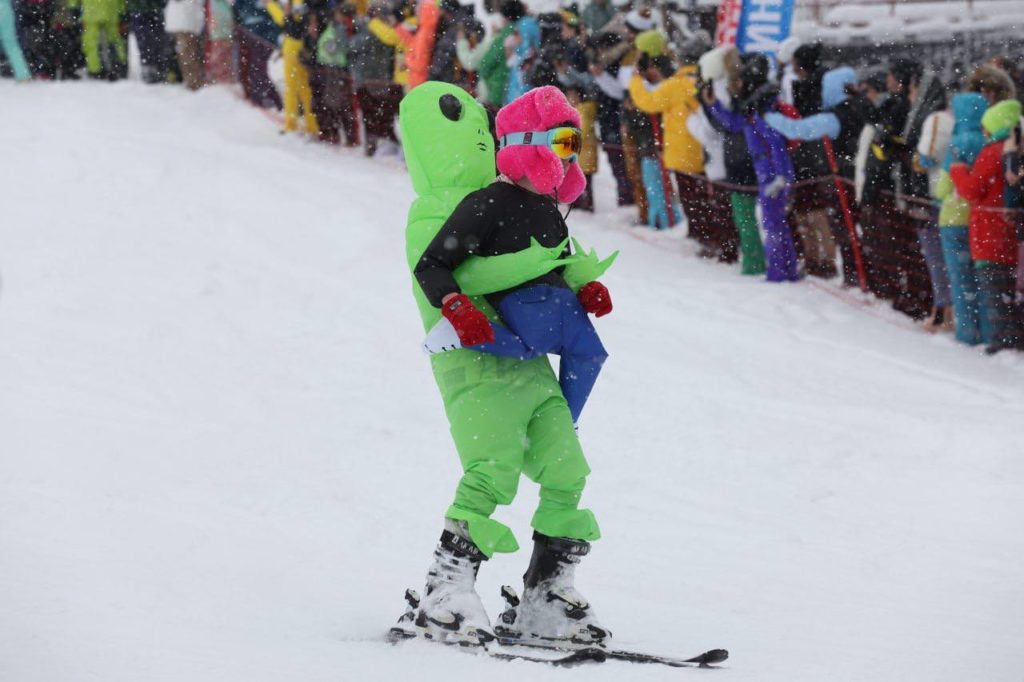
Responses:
[555,460]
[507,418]
[489,402]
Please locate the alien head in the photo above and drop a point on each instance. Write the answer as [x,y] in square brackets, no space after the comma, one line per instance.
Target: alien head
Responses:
[446,138]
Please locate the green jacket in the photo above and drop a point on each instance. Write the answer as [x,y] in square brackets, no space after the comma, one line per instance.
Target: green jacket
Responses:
[494,67]
[332,48]
[955,211]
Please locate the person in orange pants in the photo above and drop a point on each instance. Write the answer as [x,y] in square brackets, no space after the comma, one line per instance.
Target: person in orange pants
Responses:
[297,91]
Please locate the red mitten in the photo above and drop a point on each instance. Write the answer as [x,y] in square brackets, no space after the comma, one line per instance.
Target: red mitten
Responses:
[470,324]
[594,298]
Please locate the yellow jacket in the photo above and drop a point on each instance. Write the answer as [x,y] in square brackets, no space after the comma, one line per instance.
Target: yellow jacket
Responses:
[290,47]
[388,35]
[675,99]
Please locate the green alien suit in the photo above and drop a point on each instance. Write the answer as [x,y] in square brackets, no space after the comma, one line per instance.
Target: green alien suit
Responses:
[508,417]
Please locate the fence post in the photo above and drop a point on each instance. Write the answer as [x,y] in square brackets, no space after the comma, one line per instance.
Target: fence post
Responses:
[844,202]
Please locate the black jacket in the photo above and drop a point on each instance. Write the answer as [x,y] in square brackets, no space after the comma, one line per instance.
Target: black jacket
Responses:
[852,113]
[807,94]
[498,219]
[888,118]
[809,159]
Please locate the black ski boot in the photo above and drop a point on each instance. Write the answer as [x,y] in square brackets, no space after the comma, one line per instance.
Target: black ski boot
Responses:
[551,609]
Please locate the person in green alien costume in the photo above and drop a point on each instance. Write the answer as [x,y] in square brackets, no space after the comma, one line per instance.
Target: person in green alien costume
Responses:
[508,417]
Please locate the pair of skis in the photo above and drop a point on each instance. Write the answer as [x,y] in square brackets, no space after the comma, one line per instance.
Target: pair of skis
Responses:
[553,653]
[564,656]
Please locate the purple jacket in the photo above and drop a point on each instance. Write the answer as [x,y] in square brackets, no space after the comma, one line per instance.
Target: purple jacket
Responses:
[767,146]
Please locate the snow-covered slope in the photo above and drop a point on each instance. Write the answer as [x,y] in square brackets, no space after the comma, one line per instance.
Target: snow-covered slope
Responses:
[222,455]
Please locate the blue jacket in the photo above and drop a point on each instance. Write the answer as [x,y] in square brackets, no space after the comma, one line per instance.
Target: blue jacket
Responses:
[827,124]
[968,136]
[529,45]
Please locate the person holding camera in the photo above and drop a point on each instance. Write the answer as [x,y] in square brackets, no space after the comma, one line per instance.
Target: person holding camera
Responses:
[753,97]
[675,99]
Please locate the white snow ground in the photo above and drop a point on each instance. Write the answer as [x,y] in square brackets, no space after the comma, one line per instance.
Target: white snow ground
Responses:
[223,457]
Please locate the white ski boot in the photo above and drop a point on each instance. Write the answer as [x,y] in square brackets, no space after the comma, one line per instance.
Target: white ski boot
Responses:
[551,609]
[450,610]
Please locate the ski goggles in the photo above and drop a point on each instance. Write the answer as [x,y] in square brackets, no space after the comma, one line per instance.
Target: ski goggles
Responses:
[564,141]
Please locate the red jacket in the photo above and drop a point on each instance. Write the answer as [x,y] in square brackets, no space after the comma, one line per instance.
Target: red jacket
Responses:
[991,232]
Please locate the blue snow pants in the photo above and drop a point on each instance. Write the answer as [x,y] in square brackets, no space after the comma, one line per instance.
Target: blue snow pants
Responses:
[543,319]
[972,327]
[658,215]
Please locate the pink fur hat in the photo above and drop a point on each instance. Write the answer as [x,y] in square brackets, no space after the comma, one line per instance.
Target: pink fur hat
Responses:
[539,109]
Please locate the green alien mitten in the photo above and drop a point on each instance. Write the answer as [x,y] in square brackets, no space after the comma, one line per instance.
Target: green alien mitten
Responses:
[585,266]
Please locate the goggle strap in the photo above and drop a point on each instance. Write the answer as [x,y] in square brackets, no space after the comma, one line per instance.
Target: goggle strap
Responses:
[544,138]
[516,138]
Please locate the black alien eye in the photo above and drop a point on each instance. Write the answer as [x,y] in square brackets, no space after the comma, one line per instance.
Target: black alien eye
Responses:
[451,107]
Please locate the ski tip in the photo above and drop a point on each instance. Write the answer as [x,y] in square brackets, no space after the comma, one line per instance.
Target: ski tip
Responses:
[713,656]
[396,635]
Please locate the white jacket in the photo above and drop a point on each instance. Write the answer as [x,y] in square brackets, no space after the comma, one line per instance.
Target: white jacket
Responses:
[712,141]
[936,134]
[184,16]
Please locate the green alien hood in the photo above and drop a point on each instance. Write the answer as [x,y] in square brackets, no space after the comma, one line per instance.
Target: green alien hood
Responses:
[446,138]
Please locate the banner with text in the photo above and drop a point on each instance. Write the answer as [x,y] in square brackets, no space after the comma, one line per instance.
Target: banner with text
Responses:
[763,25]
[728,22]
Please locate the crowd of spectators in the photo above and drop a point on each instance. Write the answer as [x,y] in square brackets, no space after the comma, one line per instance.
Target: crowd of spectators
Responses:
[69,39]
[886,176]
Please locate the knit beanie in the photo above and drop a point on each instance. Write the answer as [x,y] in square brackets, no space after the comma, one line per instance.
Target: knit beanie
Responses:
[539,109]
[513,10]
[808,57]
[1000,119]
[651,42]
